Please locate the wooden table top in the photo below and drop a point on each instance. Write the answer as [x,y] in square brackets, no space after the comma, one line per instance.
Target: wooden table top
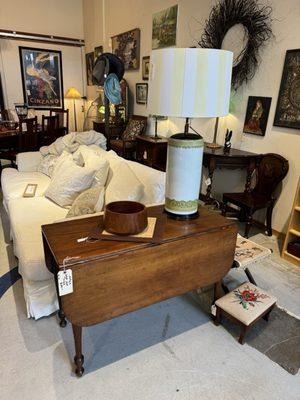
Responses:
[62,237]
[219,152]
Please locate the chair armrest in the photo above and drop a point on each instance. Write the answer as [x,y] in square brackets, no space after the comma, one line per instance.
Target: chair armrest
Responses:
[28,161]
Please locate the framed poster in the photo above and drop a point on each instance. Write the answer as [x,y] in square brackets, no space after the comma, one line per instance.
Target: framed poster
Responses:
[287,112]
[127,47]
[42,80]
[257,115]
[141,93]
[89,59]
[164,27]
[145,67]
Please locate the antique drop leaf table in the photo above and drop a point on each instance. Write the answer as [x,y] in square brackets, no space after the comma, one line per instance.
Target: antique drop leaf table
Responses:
[111,278]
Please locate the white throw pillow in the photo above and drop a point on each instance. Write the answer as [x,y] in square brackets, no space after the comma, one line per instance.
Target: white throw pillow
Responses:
[87,157]
[88,202]
[124,185]
[47,165]
[68,181]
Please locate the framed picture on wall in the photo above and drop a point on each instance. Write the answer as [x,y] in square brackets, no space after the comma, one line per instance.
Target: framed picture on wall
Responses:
[287,112]
[127,47]
[97,52]
[145,67]
[141,93]
[257,115]
[164,28]
[89,60]
[42,79]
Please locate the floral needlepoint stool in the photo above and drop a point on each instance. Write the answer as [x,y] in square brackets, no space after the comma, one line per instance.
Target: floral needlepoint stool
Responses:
[245,305]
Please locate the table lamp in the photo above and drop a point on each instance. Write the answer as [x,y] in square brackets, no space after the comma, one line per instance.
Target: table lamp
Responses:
[73,93]
[187,83]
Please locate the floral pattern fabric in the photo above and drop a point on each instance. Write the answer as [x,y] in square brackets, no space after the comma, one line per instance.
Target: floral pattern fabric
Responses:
[134,128]
[247,296]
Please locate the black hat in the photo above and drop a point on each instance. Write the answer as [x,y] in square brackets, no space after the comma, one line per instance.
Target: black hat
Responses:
[106,64]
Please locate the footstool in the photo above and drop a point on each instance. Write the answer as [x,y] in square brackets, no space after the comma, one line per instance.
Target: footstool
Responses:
[245,305]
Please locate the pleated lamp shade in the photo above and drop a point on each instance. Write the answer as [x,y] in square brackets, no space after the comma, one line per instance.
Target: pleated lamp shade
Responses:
[72,93]
[187,83]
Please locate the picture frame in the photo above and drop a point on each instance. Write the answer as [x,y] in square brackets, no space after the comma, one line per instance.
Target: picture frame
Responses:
[141,93]
[164,28]
[126,46]
[89,60]
[42,78]
[287,112]
[97,52]
[30,190]
[257,115]
[145,67]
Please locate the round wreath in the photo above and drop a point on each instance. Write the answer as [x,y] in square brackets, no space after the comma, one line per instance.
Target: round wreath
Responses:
[256,20]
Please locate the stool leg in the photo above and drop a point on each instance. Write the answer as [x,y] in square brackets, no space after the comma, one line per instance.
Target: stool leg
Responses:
[242,334]
[250,277]
[218,317]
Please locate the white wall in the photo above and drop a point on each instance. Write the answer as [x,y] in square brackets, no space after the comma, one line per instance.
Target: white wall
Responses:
[130,14]
[62,18]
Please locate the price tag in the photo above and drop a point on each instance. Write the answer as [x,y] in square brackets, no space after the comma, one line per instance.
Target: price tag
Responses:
[213,310]
[65,282]
[208,182]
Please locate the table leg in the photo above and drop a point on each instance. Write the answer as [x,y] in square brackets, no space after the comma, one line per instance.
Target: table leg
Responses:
[250,169]
[78,359]
[61,314]
[211,170]
[217,290]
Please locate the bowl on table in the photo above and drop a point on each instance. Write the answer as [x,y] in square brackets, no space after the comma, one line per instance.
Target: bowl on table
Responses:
[125,217]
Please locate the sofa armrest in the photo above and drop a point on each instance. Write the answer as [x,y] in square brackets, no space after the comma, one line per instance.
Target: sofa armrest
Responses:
[28,161]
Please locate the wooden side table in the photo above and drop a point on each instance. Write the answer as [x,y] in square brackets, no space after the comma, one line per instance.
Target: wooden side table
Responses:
[152,152]
[112,278]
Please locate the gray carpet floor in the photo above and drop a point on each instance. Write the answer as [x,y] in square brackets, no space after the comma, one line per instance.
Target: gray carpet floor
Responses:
[169,351]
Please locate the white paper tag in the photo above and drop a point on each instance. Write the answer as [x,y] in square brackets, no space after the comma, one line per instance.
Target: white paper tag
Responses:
[207,181]
[213,310]
[65,282]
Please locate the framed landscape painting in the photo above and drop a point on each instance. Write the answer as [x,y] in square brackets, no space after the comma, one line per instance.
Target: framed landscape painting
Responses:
[141,93]
[42,80]
[164,28]
[287,112]
[257,115]
[145,67]
[127,47]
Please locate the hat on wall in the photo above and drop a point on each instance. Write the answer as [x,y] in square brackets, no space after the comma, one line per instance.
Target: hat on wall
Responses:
[107,63]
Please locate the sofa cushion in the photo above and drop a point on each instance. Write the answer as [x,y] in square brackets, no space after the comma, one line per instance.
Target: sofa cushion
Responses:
[47,165]
[27,215]
[68,181]
[124,185]
[87,201]
[14,183]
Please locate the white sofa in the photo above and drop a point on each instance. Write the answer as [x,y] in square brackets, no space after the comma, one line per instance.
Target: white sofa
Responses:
[28,214]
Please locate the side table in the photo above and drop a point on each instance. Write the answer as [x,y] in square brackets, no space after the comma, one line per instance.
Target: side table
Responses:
[112,278]
[152,151]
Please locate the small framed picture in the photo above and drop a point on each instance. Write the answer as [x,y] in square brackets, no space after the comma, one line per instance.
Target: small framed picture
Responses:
[141,93]
[257,115]
[97,52]
[145,67]
[30,190]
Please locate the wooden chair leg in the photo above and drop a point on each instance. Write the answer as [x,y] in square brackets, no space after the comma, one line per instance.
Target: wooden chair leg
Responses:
[269,220]
[248,224]
[242,334]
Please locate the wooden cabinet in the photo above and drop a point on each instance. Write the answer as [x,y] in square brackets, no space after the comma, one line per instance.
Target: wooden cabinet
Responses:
[152,152]
[293,233]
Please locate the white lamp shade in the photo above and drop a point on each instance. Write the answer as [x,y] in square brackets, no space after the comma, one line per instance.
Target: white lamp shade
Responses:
[190,83]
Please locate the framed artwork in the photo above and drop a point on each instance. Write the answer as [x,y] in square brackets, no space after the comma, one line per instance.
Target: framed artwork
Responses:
[42,79]
[97,52]
[164,27]
[287,112]
[257,114]
[145,67]
[141,93]
[127,47]
[89,59]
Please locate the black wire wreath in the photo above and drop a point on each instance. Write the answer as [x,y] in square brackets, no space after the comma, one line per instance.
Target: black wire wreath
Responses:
[256,20]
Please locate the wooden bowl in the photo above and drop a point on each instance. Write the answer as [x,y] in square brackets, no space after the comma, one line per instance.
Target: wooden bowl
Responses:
[125,217]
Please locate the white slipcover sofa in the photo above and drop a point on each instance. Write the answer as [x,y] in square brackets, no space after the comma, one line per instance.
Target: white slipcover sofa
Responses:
[27,215]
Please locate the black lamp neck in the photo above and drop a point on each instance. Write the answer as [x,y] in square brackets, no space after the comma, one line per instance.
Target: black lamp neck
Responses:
[186,126]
